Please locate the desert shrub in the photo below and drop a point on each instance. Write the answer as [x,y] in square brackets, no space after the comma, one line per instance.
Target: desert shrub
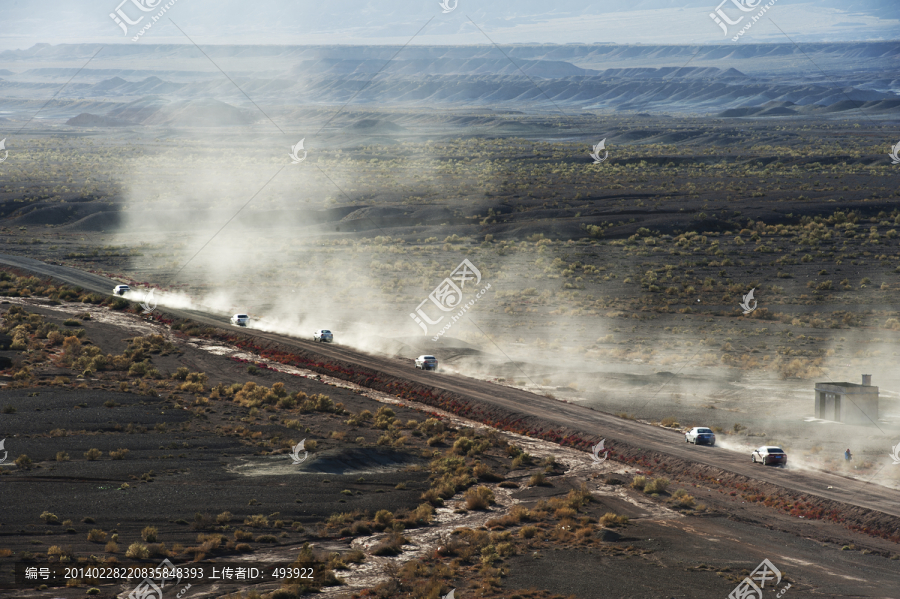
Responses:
[149,534]
[384,517]
[392,545]
[243,535]
[92,454]
[479,498]
[432,497]
[256,521]
[224,517]
[682,499]
[59,552]
[657,485]
[537,480]
[49,517]
[639,482]
[384,417]
[432,426]
[463,445]
[23,462]
[528,532]
[670,422]
[522,459]
[96,536]
[118,454]
[481,471]
[137,551]
[612,520]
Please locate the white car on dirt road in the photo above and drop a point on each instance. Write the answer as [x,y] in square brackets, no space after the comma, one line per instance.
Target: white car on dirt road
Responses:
[323,335]
[426,362]
[240,320]
[700,435]
[767,455]
[121,289]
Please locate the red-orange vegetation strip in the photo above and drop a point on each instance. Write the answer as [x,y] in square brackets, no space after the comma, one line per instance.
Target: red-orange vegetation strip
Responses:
[861,520]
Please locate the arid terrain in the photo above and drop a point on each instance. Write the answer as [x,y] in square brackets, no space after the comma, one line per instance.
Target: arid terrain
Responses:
[732,242]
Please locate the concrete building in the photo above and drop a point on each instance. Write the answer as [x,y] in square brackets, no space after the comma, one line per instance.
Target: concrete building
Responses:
[848,402]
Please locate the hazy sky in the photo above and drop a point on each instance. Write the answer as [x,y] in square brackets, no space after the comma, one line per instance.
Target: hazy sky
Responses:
[26,22]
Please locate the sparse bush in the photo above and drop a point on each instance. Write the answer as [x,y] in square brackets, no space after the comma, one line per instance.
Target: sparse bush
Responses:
[670,422]
[256,521]
[137,551]
[392,545]
[149,534]
[639,482]
[657,485]
[682,499]
[612,520]
[482,472]
[92,454]
[537,480]
[95,535]
[49,518]
[479,498]
[118,454]
[23,462]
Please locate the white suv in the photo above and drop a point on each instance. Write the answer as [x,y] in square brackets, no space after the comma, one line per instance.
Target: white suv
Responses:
[323,335]
[240,320]
[121,289]
[426,362]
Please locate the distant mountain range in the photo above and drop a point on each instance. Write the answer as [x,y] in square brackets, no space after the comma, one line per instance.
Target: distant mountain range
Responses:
[178,86]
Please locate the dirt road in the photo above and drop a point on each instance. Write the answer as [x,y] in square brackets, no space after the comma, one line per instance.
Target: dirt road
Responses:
[555,413]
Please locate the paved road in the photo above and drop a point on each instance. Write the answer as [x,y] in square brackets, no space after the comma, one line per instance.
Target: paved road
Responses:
[575,417]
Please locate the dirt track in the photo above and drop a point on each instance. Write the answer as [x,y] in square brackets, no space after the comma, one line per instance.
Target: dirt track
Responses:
[619,433]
